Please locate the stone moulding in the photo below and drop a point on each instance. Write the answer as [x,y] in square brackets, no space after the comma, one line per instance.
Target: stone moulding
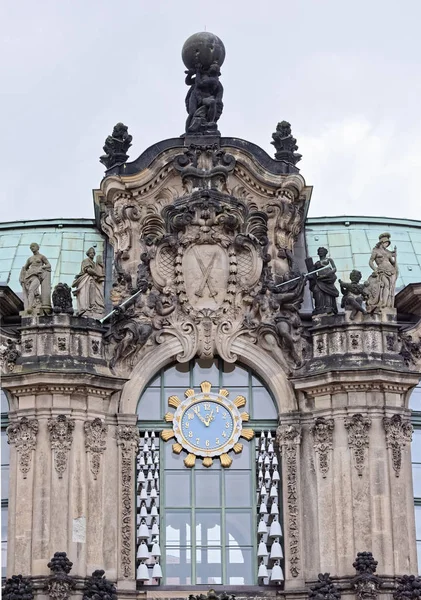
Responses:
[128,441]
[398,432]
[322,431]
[61,437]
[358,428]
[23,434]
[95,442]
[288,438]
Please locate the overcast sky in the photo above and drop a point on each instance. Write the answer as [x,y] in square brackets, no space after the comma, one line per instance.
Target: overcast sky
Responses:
[345,73]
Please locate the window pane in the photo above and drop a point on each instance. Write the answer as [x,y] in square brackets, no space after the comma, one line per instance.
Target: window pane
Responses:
[416,474]
[237,488]
[4,483]
[208,528]
[416,446]
[206,370]
[178,376]
[240,566]
[233,375]
[242,460]
[208,489]
[173,460]
[178,566]
[177,488]
[149,407]
[415,399]
[5,449]
[3,523]
[238,528]
[4,558]
[263,405]
[177,528]
[240,391]
[4,402]
[208,566]
[418,522]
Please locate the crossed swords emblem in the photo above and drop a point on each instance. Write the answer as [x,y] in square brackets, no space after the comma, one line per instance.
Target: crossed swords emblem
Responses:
[206,271]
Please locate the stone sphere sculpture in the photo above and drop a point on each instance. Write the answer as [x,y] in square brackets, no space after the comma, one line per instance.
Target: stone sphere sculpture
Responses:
[204,48]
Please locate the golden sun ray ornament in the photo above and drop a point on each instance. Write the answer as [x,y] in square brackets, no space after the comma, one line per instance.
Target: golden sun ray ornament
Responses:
[207,424]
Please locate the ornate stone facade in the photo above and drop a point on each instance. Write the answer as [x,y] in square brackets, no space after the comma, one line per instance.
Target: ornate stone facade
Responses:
[61,437]
[23,434]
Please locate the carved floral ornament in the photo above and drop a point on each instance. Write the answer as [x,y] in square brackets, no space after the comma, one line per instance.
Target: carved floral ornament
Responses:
[358,428]
[61,437]
[322,431]
[23,434]
[398,436]
[95,442]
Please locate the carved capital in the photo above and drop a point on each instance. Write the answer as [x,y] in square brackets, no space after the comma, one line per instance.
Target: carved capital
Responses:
[95,442]
[23,434]
[358,428]
[288,435]
[398,434]
[322,431]
[61,437]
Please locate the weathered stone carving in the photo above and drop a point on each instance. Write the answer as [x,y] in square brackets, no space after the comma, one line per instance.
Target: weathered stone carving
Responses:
[408,588]
[62,299]
[358,428]
[324,589]
[95,442]
[60,585]
[322,431]
[288,438]
[204,167]
[9,353]
[128,440]
[61,437]
[28,344]
[212,595]
[89,287]
[398,436]
[365,583]
[35,279]
[118,223]
[353,294]
[380,286]
[99,588]
[322,284]
[18,588]
[116,146]
[23,434]
[203,54]
[410,350]
[285,144]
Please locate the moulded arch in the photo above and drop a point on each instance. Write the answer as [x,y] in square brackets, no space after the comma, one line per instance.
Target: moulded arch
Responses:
[253,357]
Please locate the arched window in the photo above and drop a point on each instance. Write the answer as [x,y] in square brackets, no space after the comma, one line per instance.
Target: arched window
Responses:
[205,520]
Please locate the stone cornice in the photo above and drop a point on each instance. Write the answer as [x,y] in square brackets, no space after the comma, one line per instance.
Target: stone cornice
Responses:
[40,382]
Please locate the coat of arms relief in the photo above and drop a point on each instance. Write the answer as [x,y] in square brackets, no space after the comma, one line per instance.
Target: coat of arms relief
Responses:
[206,249]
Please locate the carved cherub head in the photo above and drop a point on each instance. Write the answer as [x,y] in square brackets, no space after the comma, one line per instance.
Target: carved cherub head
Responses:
[355,276]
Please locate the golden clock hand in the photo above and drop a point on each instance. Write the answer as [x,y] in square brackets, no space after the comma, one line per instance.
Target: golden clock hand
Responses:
[209,418]
[195,410]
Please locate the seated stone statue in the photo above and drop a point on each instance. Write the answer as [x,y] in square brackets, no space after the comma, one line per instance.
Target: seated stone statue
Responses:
[89,287]
[35,279]
[353,294]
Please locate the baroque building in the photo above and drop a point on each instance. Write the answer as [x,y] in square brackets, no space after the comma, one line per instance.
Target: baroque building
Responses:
[192,400]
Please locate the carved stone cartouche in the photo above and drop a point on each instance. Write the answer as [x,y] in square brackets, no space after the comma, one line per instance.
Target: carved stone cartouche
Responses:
[380,286]
[285,144]
[353,294]
[398,431]
[358,428]
[116,146]
[35,279]
[62,299]
[23,434]
[61,437]
[95,442]
[322,431]
[322,284]
[89,287]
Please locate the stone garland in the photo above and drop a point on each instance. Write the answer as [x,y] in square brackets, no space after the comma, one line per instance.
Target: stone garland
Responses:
[61,437]
[23,434]
[128,440]
[322,431]
[398,435]
[95,442]
[288,438]
[358,428]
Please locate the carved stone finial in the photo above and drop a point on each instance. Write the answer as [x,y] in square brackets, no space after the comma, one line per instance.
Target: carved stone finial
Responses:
[59,584]
[23,434]
[353,294]
[212,595]
[324,589]
[203,54]
[62,299]
[398,435]
[116,146]
[408,588]
[322,431]
[35,279]
[61,437]
[365,563]
[9,355]
[322,283]
[95,442]
[89,286]
[99,588]
[18,588]
[358,427]
[380,286]
[365,583]
[285,144]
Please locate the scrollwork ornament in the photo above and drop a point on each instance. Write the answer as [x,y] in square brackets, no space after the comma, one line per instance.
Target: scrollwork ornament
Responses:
[322,431]
[398,435]
[61,437]
[288,438]
[358,428]
[23,434]
[95,442]
[128,441]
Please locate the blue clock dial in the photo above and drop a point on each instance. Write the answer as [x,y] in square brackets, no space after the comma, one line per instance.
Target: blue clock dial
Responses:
[207,425]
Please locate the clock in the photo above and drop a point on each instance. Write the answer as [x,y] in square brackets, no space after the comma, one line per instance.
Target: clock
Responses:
[207,424]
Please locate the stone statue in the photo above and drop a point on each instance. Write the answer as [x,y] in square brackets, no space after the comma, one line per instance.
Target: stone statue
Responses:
[62,299]
[89,287]
[35,279]
[116,146]
[380,286]
[322,284]
[353,294]
[285,144]
[203,55]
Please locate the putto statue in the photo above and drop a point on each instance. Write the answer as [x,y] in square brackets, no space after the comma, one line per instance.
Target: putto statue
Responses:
[285,144]
[354,294]
[116,146]
[35,279]
[89,287]
[203,54]
[322,284]
[380,286]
